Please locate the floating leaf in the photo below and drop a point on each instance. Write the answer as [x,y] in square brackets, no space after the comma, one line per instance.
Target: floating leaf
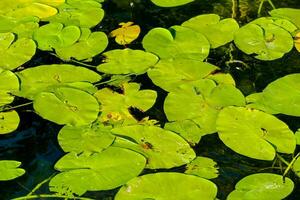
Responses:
[297,135]
[203,167]
[9,169]
[170,74]
[290,14]
[75,107]
[176,42]
[127,61]
[280,96]
[170,3]
[9,83]
[9,122]
[114,106]
[14,53]
[267,40]
[46,77]
[218,32]
[162,148]
[262,186]
[89,45]
[296,167]
[85,14]
[100,171]
[126,34]
[55,35]
[254,133]
[91,138]
[168,184]
[297,41]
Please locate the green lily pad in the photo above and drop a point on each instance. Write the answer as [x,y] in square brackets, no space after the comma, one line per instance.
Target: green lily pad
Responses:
[290,14]
[254,133]
[280,96]
[14,53]
[9,121]
[162,148]
[262,186]
[91,138]
[203,167]
[9,83]
[55,35]
[25,8]
[9,169]
[170,3]
[267,41]
[297,135]
[218,32]
[164,185]
[176,42]
[170,74]
[127,61]
[67,106]
[114,106]
[89,45]
[296,167]
[85,14]
[100,171]
[201,103]
[46,77]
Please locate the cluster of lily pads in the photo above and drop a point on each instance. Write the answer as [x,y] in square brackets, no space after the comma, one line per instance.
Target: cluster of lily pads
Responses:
[106,145]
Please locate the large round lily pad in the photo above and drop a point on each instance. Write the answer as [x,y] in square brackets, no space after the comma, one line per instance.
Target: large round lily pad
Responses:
[89,45]
[164,186]
[163,148]
[9,83]
[67,106]
[9,121]
[100,171]
[55,35]
[9,169]
[217,31]
[169,74]
[267,41]
[91,138]
[262,186]
[290,14]
[45,77]
[127,61]
[254,133]
[170,3]
[14,53]
[176,42]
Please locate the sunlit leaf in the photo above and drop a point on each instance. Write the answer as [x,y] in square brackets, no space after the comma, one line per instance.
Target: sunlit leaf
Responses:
[126,34]
[9,169]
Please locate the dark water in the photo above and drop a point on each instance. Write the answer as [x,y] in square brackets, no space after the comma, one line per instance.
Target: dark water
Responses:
[35,142]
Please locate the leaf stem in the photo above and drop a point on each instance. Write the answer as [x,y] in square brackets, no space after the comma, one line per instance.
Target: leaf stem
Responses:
[83,64]
[38,196]
[39,185]
[283,160]
[14,107]
[289,167]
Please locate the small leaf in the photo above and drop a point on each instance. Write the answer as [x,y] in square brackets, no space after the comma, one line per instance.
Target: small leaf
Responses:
[126,34]
[297,41]
[9,122]
[9,169]
[9,83]
[203,167]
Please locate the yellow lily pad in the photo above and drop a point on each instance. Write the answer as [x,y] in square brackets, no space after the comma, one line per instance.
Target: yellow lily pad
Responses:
[297,41]
[127,33]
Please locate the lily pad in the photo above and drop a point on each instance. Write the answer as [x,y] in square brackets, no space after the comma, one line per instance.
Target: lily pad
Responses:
[267,41]
[55,35]
[203,167]
[296,167]
[115,106]
[218,32]
[297,135]
[170,74]
[290,14]
[162,186]
[89,45]
[46,77]
[25,8]
[9,83]
[9,169]
[126,34]
[262,186]
[176,42]
[254,133]
[14,53]
[170,3]
[9,122]
[75,107]
[100,171]
[85,14]
[91,138]
[281,96]
[162,148]
[127,61]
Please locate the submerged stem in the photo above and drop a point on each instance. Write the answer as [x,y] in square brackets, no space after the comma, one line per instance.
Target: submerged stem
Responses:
[38,196]
[14,107]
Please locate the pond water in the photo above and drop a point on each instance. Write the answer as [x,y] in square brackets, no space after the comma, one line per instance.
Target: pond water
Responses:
[35,142]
